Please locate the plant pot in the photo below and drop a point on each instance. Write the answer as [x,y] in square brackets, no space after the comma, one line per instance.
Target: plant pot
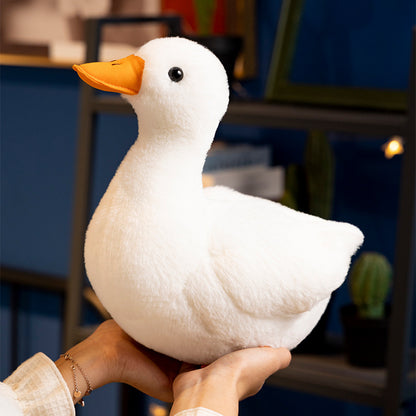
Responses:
[365,339]
[226,48]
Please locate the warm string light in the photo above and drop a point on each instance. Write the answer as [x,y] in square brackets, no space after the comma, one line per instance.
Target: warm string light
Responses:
[158,410]
[393,147]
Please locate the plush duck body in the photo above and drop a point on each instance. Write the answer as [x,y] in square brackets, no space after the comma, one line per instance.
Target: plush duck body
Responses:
[190,272]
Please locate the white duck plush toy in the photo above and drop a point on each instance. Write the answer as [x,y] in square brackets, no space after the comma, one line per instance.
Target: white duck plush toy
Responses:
[193,272]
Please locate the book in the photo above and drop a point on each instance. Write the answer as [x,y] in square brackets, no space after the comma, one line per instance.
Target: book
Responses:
[257,180]
[223,156]
[244,168]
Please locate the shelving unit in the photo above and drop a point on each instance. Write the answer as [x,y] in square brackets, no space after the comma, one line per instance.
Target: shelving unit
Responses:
[327,376]
[331,377]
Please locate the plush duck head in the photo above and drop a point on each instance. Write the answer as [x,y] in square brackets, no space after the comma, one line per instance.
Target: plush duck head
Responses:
[196,273]
[167,82]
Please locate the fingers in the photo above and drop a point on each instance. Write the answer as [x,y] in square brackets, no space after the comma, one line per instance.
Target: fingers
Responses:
[153,373]
[257,365]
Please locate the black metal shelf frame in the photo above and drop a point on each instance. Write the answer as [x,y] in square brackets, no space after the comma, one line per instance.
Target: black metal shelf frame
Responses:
[300,117]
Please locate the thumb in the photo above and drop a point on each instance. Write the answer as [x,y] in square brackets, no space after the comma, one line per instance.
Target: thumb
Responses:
[271,360]
[260,364]
[281,356]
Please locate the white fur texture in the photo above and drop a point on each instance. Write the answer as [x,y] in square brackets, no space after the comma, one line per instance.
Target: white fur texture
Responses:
[196,273]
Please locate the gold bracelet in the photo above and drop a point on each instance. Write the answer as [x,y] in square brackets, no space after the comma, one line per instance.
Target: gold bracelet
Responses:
[77,393]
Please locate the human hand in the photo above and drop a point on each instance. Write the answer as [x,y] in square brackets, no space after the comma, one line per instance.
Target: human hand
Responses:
[110,355]
[231,378]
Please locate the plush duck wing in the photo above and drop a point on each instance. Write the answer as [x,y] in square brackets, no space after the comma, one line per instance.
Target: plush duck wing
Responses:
[272,260]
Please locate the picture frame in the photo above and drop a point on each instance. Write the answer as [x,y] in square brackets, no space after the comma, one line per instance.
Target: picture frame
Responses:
[279,87]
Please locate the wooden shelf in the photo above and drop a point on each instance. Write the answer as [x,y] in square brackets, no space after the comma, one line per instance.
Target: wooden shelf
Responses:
[32,61]
[301,117]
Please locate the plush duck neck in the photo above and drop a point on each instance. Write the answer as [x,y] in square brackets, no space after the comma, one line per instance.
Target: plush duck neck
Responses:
[170,159]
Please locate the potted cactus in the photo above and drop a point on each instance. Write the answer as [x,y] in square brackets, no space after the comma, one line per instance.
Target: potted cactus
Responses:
[310,188]
[366,320]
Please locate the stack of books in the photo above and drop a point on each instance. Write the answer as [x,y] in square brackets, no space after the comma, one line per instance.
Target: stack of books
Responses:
[245,168]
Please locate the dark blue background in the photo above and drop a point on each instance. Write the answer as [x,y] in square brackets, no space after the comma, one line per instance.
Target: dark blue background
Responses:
[367,44]
[359,43]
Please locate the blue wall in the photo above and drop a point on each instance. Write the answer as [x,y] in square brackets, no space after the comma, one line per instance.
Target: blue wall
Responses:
[38,128]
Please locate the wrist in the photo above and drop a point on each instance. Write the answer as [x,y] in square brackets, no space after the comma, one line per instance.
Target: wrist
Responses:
[83,369]
[217,392]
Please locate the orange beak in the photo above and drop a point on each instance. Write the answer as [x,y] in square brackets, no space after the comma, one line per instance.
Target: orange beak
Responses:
[123,75]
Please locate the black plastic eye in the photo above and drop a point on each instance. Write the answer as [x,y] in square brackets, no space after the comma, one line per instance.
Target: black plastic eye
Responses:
[175,74]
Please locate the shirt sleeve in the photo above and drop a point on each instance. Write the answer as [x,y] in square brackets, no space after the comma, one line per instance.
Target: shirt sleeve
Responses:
[37,388]
[197,411]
